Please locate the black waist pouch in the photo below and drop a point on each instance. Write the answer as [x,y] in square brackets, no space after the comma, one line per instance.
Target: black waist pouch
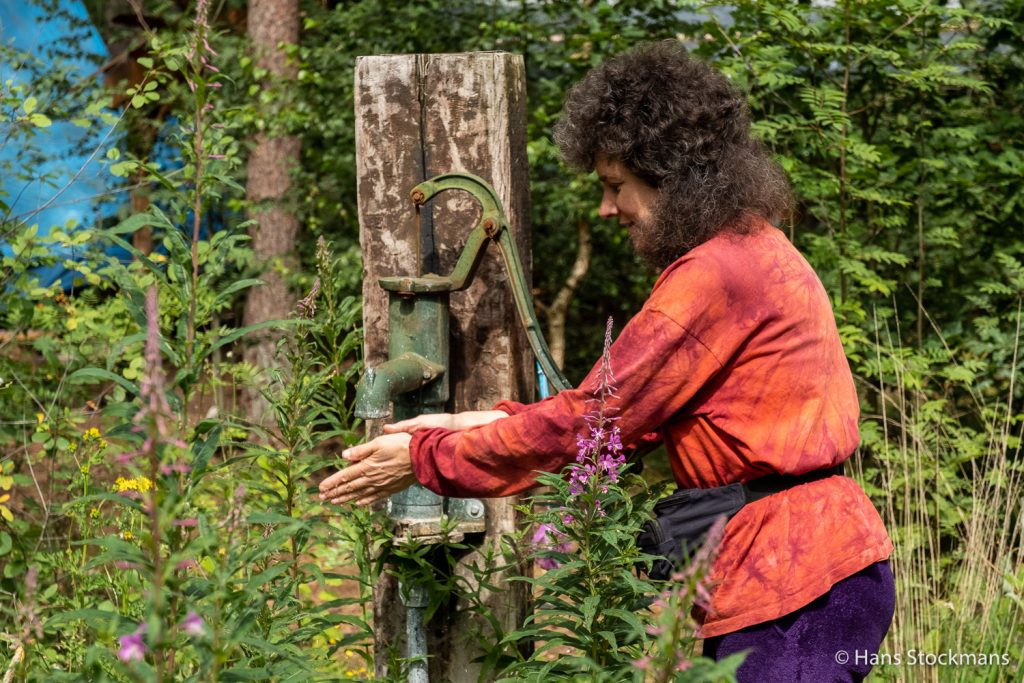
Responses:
[683,519]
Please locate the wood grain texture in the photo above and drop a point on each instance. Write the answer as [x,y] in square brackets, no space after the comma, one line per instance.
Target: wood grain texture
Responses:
[418,116]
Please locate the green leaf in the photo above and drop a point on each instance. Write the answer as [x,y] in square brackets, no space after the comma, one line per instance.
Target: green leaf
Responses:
[29,105]
[94,375]
[117,550]
[101,620]
[123,168]
[259,580]
[589,609]
[224,296]
[39,120]
[242,673]
[203,450]
[637,629]
[228,338]
[145,62]
[113,498]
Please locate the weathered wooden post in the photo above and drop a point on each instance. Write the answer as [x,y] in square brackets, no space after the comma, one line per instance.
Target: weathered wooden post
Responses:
[418,116]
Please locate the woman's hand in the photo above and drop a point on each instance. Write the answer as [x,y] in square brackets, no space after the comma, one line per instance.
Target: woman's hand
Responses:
[457,421]
[379,468]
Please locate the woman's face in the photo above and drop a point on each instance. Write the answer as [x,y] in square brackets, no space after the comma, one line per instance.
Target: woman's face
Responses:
[626,196]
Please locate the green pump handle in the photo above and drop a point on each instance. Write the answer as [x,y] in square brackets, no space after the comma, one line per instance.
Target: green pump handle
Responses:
[493,227]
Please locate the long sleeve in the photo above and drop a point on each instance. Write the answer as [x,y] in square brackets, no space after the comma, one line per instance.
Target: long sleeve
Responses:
[658,363]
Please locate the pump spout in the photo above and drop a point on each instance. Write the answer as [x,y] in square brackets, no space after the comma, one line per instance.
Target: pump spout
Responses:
[380,385]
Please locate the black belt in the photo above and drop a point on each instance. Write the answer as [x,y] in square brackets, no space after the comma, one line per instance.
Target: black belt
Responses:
[762,487]
[683,519]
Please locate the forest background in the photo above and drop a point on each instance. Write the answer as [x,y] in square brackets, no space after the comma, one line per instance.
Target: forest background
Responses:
[900,124]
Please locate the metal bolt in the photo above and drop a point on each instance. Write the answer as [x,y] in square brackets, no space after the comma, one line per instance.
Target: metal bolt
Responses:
[474,509]
[418,197]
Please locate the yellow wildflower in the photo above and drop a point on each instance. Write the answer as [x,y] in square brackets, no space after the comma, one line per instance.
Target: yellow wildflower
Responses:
[127,535]
[94,513]
[140,484]
[84,469]
[72,447]
[91,433]
[39,418]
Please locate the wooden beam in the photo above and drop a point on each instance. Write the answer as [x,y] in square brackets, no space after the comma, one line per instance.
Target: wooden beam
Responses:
[418,116]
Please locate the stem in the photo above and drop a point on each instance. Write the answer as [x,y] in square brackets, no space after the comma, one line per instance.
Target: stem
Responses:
[843,283]
[290,508]
[920,272]
[158,569]
[196,208]
[19,656]
[86,518]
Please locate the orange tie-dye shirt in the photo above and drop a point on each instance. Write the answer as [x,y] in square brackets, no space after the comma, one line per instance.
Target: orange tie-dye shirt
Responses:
[736,360]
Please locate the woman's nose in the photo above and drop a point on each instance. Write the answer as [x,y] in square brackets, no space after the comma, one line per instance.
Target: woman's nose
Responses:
[608,207]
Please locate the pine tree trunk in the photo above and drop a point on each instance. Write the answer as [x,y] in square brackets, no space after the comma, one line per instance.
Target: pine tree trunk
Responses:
[271,24]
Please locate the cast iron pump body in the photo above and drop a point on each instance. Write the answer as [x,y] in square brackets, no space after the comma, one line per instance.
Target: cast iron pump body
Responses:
[415,377]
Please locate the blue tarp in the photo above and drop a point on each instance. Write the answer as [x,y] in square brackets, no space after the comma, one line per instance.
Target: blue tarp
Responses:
[73,192]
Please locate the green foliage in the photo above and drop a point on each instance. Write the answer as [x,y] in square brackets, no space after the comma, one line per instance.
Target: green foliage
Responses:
[161,535]
[900,125]
[592,618]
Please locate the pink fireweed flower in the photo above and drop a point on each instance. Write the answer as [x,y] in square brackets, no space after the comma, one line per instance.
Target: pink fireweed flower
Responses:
[133,647]
[202,17]
[186,564]
[599,457]
[548,538]
[155,417]
[190,521]
[179,467]
[193,624]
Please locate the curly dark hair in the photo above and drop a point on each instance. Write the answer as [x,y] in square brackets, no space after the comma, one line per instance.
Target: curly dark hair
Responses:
[681,126]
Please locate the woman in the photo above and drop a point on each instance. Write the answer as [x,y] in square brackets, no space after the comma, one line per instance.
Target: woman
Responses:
[734,358]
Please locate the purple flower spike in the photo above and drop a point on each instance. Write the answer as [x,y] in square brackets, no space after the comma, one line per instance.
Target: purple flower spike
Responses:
[599,458]
[545,538]
[193,624]
[133,647]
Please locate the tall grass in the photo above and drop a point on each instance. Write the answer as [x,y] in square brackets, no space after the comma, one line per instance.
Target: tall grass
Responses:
[942,461]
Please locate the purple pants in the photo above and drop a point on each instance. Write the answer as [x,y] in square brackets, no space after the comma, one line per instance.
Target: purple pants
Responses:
[831,639]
